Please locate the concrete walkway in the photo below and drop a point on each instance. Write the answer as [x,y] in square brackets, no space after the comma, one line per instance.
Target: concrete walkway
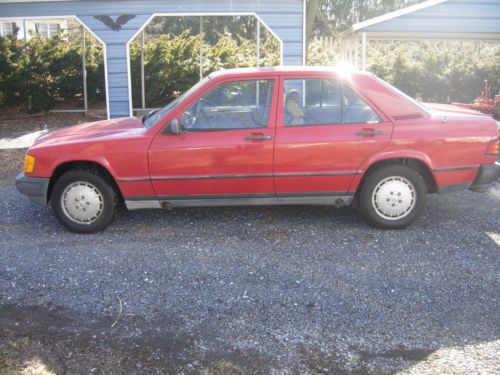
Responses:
[20,141]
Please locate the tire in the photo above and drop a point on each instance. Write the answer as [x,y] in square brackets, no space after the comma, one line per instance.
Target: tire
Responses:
[393,197]
[83,201]
[496,112]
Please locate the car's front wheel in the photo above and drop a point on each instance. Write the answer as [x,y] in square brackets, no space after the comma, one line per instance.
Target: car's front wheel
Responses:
[83,201]
[393,197]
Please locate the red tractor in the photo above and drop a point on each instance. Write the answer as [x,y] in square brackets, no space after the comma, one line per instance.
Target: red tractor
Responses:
[484,103]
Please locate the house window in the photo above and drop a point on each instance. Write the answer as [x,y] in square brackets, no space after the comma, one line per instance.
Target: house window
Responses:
[8,28]
[54,28]
[41,29]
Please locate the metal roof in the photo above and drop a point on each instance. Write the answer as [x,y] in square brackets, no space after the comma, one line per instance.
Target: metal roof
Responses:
[437,19]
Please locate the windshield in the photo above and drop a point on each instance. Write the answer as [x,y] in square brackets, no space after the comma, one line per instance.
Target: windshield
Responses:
[407,97]
[153,117]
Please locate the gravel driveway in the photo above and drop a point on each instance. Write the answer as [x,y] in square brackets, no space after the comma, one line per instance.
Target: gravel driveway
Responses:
[253,290]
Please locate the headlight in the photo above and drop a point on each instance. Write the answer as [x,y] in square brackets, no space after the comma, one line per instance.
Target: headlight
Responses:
[29,164]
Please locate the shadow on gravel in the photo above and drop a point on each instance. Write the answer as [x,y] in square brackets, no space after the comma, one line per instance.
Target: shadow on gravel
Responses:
[46,336]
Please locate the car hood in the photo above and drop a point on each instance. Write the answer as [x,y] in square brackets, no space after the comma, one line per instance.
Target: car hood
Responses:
[99,129]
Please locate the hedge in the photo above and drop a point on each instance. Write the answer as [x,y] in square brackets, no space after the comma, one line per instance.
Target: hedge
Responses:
[431,70]
[41,73]
[172,63]
[37,74]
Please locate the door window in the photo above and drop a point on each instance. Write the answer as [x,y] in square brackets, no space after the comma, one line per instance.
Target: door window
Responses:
[355,110]
[231,105]
[323,102]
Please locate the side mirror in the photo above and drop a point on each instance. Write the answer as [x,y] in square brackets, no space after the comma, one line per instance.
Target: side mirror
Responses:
[174,127]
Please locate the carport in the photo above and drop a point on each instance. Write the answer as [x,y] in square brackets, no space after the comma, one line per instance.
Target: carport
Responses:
[477,20]
[117,23]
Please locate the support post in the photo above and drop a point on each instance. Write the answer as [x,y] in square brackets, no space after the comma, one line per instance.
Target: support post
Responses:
[356,52]
[258,42]
[201,48]
[143,83]
[84,70]
[349,50]
[257,91]
[363,50]
[25,30]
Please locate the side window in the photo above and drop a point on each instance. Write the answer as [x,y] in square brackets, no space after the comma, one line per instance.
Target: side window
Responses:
[312,102]
[323,102]
[231,105]
[355,110]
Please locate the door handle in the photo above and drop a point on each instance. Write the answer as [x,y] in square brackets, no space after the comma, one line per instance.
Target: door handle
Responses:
[370,132]
[258,137]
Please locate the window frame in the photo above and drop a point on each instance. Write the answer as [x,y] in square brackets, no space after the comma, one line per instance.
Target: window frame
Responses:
[281,104]
[205,91]
[5,31]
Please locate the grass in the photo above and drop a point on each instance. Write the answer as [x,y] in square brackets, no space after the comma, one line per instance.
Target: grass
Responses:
[35,366]
[225,368]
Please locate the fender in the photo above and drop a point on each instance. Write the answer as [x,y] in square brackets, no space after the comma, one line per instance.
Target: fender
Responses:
[388,154]
[101,161]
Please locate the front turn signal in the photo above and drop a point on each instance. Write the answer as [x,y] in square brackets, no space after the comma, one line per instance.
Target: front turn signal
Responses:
[493,147]
[29,164]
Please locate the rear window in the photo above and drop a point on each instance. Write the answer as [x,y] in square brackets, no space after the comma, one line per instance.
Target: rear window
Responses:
[405,96]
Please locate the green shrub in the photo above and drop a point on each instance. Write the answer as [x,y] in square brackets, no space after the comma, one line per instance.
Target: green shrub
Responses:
[43,72]
[436,71]
[9,78]
[430,70]
[37,74]
[172,63]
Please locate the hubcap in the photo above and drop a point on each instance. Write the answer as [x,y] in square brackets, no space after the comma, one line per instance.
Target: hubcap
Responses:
[394,198]
[82,202]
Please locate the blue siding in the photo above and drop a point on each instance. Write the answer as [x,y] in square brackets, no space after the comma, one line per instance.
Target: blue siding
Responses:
[119,108]
[454,16]
[117,59]
[83,7]
[118,93]
[439,25]
[283,17]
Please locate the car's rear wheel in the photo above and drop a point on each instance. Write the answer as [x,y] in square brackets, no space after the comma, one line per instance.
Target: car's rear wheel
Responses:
[83,201]
[393,197]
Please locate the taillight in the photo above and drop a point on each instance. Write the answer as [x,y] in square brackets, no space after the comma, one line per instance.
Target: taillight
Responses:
[493,147]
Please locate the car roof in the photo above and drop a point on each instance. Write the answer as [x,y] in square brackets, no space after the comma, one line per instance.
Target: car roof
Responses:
[289,69]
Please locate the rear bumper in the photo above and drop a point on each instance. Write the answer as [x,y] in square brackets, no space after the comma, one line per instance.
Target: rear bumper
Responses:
[487,174]
[35,188]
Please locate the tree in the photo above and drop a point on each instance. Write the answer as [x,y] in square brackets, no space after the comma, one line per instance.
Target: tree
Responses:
[312,10]
[332,17]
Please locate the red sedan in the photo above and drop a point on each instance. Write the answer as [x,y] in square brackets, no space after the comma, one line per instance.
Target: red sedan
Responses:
[308,136]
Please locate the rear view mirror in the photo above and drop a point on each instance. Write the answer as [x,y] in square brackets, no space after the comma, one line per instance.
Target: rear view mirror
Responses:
[174,127]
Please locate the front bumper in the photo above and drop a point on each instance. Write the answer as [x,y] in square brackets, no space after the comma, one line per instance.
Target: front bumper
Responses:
[487,174]
[34,187]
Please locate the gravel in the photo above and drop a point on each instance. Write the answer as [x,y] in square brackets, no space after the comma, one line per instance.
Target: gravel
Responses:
[16,123]
[257,290]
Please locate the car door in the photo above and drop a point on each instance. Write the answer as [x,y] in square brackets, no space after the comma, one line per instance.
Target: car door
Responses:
[324,130]
[226,147]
